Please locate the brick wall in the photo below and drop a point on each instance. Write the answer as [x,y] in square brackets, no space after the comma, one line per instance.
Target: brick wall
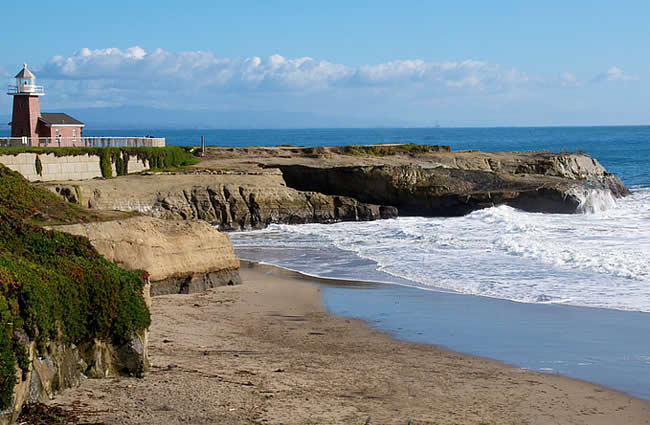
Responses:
[25,116]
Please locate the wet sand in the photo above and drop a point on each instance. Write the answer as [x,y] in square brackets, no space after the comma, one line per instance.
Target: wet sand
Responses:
[266,352]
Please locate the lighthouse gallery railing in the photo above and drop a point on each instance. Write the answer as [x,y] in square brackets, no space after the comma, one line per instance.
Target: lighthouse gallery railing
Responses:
[28,89]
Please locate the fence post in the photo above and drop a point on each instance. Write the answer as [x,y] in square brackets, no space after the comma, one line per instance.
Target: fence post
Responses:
[202,146]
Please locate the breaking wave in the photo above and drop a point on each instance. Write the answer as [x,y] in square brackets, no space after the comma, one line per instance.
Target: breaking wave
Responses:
[595,259]
[594,200]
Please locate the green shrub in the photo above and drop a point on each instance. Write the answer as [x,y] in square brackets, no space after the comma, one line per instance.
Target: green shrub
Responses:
[105,163]
[125,162]
[119,164]
[53,283]
[39,166]
[7,356]
[395,149]
[33,203]
[158,158]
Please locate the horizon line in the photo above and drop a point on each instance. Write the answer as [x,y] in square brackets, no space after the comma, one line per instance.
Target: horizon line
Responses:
[423,127]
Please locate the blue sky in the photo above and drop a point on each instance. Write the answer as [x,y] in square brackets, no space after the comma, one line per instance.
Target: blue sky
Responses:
[355,62]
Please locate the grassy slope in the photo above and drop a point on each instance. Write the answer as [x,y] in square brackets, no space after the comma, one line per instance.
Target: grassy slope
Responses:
[51,281]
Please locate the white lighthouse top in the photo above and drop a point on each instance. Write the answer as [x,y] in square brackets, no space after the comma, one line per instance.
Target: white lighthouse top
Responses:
[25,74]
[25,84]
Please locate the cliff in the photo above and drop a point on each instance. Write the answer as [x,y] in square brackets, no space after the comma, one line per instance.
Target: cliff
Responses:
[65,312]
[180,256]
[539,183]
[244,188]
[229,201]
[433,181]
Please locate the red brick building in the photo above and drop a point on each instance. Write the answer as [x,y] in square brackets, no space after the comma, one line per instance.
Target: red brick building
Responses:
[58,125]
[36,128]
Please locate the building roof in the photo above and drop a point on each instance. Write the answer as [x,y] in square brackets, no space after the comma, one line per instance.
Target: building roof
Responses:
[25,73]
[56,119]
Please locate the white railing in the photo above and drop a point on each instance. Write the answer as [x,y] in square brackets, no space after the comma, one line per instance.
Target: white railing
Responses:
[13,141]
[89,142]
[26,89]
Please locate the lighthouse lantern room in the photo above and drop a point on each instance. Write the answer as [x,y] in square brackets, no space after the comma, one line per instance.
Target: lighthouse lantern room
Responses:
[25,84]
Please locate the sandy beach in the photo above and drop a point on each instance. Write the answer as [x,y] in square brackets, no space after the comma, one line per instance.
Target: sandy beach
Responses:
[266,352]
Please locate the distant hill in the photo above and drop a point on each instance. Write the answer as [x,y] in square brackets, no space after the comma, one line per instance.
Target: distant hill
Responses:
[132,117]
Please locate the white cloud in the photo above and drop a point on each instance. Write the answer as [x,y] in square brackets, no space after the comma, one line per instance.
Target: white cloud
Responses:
[615,73]
[415,90]
[194,69]
[465,74]
[203,70]
[567,79]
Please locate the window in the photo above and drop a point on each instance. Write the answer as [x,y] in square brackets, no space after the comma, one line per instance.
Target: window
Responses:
[74,132]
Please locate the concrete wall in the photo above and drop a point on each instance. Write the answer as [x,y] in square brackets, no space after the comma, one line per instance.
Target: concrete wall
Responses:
[81,167]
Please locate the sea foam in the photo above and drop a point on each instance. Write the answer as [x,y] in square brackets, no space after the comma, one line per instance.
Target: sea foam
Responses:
[596,259]
[594,200]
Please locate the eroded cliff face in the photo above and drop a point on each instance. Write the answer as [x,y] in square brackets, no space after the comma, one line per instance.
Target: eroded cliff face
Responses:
[252,188]
[230,202]
[537,183]
[64,365]
[180,256]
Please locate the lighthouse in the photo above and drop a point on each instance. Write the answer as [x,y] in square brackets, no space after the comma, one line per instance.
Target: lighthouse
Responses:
[36,128]
[24,121]
[31,127]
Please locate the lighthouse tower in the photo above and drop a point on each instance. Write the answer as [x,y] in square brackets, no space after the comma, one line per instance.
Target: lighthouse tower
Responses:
[24,121]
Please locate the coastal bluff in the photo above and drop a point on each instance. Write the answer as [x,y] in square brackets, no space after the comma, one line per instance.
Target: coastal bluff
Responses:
[66,313]
[445,183]
[180,256]
[250,188]
[229,201]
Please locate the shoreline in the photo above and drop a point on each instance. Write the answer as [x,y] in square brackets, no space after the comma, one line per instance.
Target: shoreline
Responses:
[266,352]
[297,274]
[328,282]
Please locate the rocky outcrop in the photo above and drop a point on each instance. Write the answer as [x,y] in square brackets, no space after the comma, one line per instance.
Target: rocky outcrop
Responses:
[180,256]
[195,282]
[64,365]
[252,188]
[537,183]
[229,202]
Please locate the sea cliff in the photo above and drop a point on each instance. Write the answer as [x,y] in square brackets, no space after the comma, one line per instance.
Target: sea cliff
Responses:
[180,256]
[231,201]
[250,188]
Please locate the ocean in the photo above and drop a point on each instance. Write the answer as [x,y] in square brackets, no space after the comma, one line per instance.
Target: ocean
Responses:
[625,151]
[567,294]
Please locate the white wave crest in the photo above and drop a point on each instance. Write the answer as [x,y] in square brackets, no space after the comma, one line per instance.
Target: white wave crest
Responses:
[593,200]
[599,259]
